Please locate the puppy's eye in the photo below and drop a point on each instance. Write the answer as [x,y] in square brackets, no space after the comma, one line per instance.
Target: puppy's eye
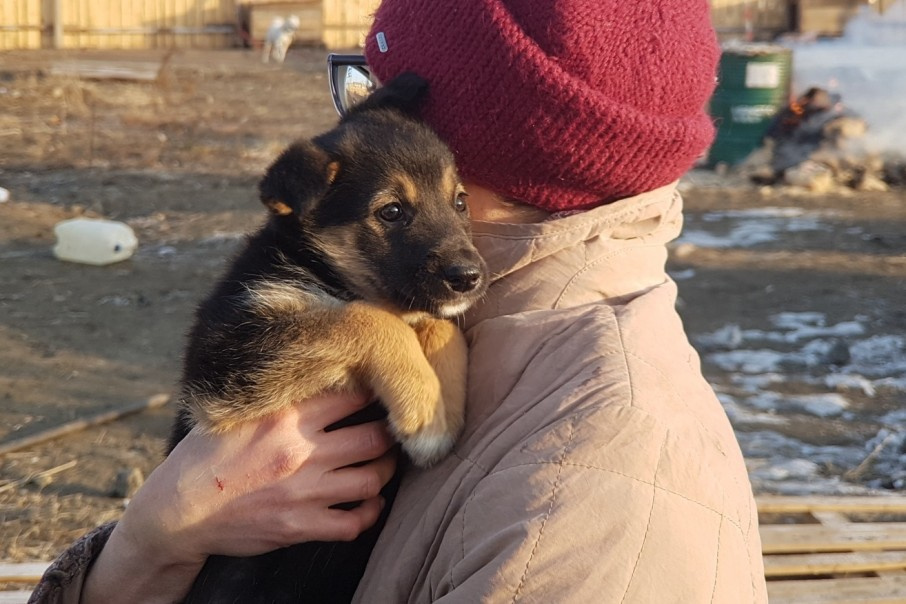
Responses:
[460,203]
[391,212]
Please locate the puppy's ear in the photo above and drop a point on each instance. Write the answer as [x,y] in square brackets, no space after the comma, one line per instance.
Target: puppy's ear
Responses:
[404,93]
[297,179]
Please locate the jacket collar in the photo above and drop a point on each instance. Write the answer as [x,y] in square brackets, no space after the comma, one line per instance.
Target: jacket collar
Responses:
[611,253]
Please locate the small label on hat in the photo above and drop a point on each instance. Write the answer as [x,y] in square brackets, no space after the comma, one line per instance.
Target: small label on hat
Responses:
[381,41]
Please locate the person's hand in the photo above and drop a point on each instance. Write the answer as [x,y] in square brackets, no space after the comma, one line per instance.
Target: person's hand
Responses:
[265,485]
[262,486]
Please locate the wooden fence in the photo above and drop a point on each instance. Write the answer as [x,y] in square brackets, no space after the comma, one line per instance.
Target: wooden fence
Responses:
[757,18]
[333,23]
[21,23]
[174,23]
[764,19]
[346,23]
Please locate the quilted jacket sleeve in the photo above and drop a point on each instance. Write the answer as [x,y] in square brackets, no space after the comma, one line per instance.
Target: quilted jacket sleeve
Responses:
[62,581]
[605,525]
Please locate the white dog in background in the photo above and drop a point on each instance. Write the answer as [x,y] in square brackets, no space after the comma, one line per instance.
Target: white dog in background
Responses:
[279,37]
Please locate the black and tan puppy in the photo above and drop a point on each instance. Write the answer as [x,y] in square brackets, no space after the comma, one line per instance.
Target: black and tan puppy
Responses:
[348,286]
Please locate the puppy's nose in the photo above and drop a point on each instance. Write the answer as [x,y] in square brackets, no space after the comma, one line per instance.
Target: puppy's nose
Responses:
[462,278]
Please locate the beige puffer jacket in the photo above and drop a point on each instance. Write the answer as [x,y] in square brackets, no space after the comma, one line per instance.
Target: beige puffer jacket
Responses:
[596,465]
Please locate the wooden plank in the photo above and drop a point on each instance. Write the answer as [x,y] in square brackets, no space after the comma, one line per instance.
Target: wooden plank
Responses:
[830,518]
[787,565]
[792,538]
[33,8]
[860,590]
[777,504]
[97,70]
[107,70]
[14,597]
[12,484]
[82,423]
[22,572]
[835,547]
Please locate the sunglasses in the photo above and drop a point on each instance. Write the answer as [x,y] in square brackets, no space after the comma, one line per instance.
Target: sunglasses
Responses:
[350,81]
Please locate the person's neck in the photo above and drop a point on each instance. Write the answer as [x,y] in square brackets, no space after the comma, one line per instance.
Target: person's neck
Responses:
[487,206]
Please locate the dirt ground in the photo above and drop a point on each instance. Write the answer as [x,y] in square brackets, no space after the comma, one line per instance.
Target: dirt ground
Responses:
[178,159]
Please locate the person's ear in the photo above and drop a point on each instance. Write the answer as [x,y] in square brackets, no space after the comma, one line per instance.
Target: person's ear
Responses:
[299,177]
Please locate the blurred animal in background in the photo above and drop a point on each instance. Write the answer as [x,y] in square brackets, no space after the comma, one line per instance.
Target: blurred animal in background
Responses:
[279,37]
[816,119]
[817,143]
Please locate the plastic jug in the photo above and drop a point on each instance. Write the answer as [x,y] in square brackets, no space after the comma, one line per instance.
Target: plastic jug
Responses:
[94,241]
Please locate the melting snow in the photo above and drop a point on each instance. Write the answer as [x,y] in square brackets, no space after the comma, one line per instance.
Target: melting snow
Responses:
[683,274]
[837,363]
[748,228]
[879,356]
[821,405]
[850,381]
[748,361]
[740,414]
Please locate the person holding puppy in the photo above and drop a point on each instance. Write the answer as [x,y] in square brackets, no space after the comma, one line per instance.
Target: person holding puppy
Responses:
[596,464]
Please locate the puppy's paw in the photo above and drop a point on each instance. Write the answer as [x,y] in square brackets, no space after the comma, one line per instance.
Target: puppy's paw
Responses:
[408,383]
[447,352]
[426,448]
[420,423]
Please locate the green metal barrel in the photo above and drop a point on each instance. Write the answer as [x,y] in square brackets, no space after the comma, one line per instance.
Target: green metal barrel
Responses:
[753,86]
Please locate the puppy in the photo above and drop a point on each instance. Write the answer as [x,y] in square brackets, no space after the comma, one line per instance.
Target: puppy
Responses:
[279,37]
[348,286]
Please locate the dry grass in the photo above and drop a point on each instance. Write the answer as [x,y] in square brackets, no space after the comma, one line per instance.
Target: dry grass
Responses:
[189,118]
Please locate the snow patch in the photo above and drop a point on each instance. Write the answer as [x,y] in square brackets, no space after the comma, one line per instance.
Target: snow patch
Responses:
[749,228]
[847,381]
[748,361]
[683,274]
[821,405]
[740,414]
[879,356]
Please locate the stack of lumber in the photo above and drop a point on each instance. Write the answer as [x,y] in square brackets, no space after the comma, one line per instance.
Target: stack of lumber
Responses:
[834,549]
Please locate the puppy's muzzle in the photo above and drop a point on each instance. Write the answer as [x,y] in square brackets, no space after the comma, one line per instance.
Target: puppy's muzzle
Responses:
[463,278]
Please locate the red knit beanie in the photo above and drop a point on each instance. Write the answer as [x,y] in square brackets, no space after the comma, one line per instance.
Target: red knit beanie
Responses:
[563,104]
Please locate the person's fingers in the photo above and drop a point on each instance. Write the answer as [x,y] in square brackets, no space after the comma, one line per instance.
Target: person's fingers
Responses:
[346,525]
[330,407]
[326,524]
[356,483]
[354,444]
[384,466]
